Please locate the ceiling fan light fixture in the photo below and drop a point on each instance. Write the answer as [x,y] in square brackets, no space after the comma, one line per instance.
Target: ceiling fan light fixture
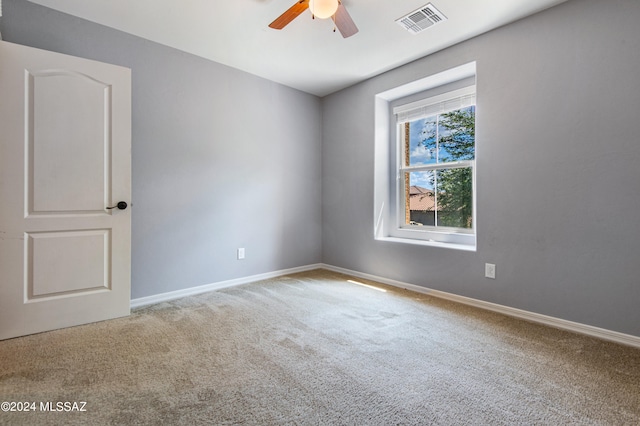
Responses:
[323,9]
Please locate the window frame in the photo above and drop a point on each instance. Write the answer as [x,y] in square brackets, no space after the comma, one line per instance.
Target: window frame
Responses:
[425,231]
[389,180]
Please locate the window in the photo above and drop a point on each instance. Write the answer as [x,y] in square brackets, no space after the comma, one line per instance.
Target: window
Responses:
[436,145]
[428,182]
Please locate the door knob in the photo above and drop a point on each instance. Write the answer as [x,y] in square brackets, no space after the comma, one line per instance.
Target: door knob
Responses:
[121,205]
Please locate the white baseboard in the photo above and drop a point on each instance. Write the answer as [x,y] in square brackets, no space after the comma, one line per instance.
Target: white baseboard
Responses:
[172,295]
[588,330]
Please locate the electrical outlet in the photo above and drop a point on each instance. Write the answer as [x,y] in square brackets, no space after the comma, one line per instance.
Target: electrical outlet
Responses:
[490,270]
[240,253]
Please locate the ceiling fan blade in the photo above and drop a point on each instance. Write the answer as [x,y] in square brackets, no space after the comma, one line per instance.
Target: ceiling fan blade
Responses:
[291,13]
[344,22]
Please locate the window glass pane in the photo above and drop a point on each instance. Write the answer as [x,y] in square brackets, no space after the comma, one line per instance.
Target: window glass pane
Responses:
[440,198]
[456,135]
[455,197]
[422,141]
[422,201]
[442,138]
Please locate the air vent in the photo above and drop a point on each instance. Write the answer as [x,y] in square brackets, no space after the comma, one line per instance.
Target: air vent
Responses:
[421,19]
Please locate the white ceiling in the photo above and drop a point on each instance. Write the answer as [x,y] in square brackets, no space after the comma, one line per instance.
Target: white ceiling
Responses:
[306,54]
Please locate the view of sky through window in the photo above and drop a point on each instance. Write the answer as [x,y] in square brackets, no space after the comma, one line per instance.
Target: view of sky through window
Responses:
[426,147]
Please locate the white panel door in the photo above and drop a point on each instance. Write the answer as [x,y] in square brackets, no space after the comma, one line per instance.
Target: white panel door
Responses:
[65,158]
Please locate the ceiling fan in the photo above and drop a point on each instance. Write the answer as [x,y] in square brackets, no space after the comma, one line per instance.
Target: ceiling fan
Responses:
[321,9]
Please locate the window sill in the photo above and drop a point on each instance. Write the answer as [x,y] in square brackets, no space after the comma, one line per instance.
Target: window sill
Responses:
[428,243]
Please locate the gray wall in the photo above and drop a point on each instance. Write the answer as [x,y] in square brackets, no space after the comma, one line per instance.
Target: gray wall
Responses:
[558,149]
[221,159]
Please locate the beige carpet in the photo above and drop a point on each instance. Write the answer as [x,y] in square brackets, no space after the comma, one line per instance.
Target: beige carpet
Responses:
[315,349]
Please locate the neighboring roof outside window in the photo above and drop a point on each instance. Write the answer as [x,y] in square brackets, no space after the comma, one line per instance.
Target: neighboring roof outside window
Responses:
[421,199]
